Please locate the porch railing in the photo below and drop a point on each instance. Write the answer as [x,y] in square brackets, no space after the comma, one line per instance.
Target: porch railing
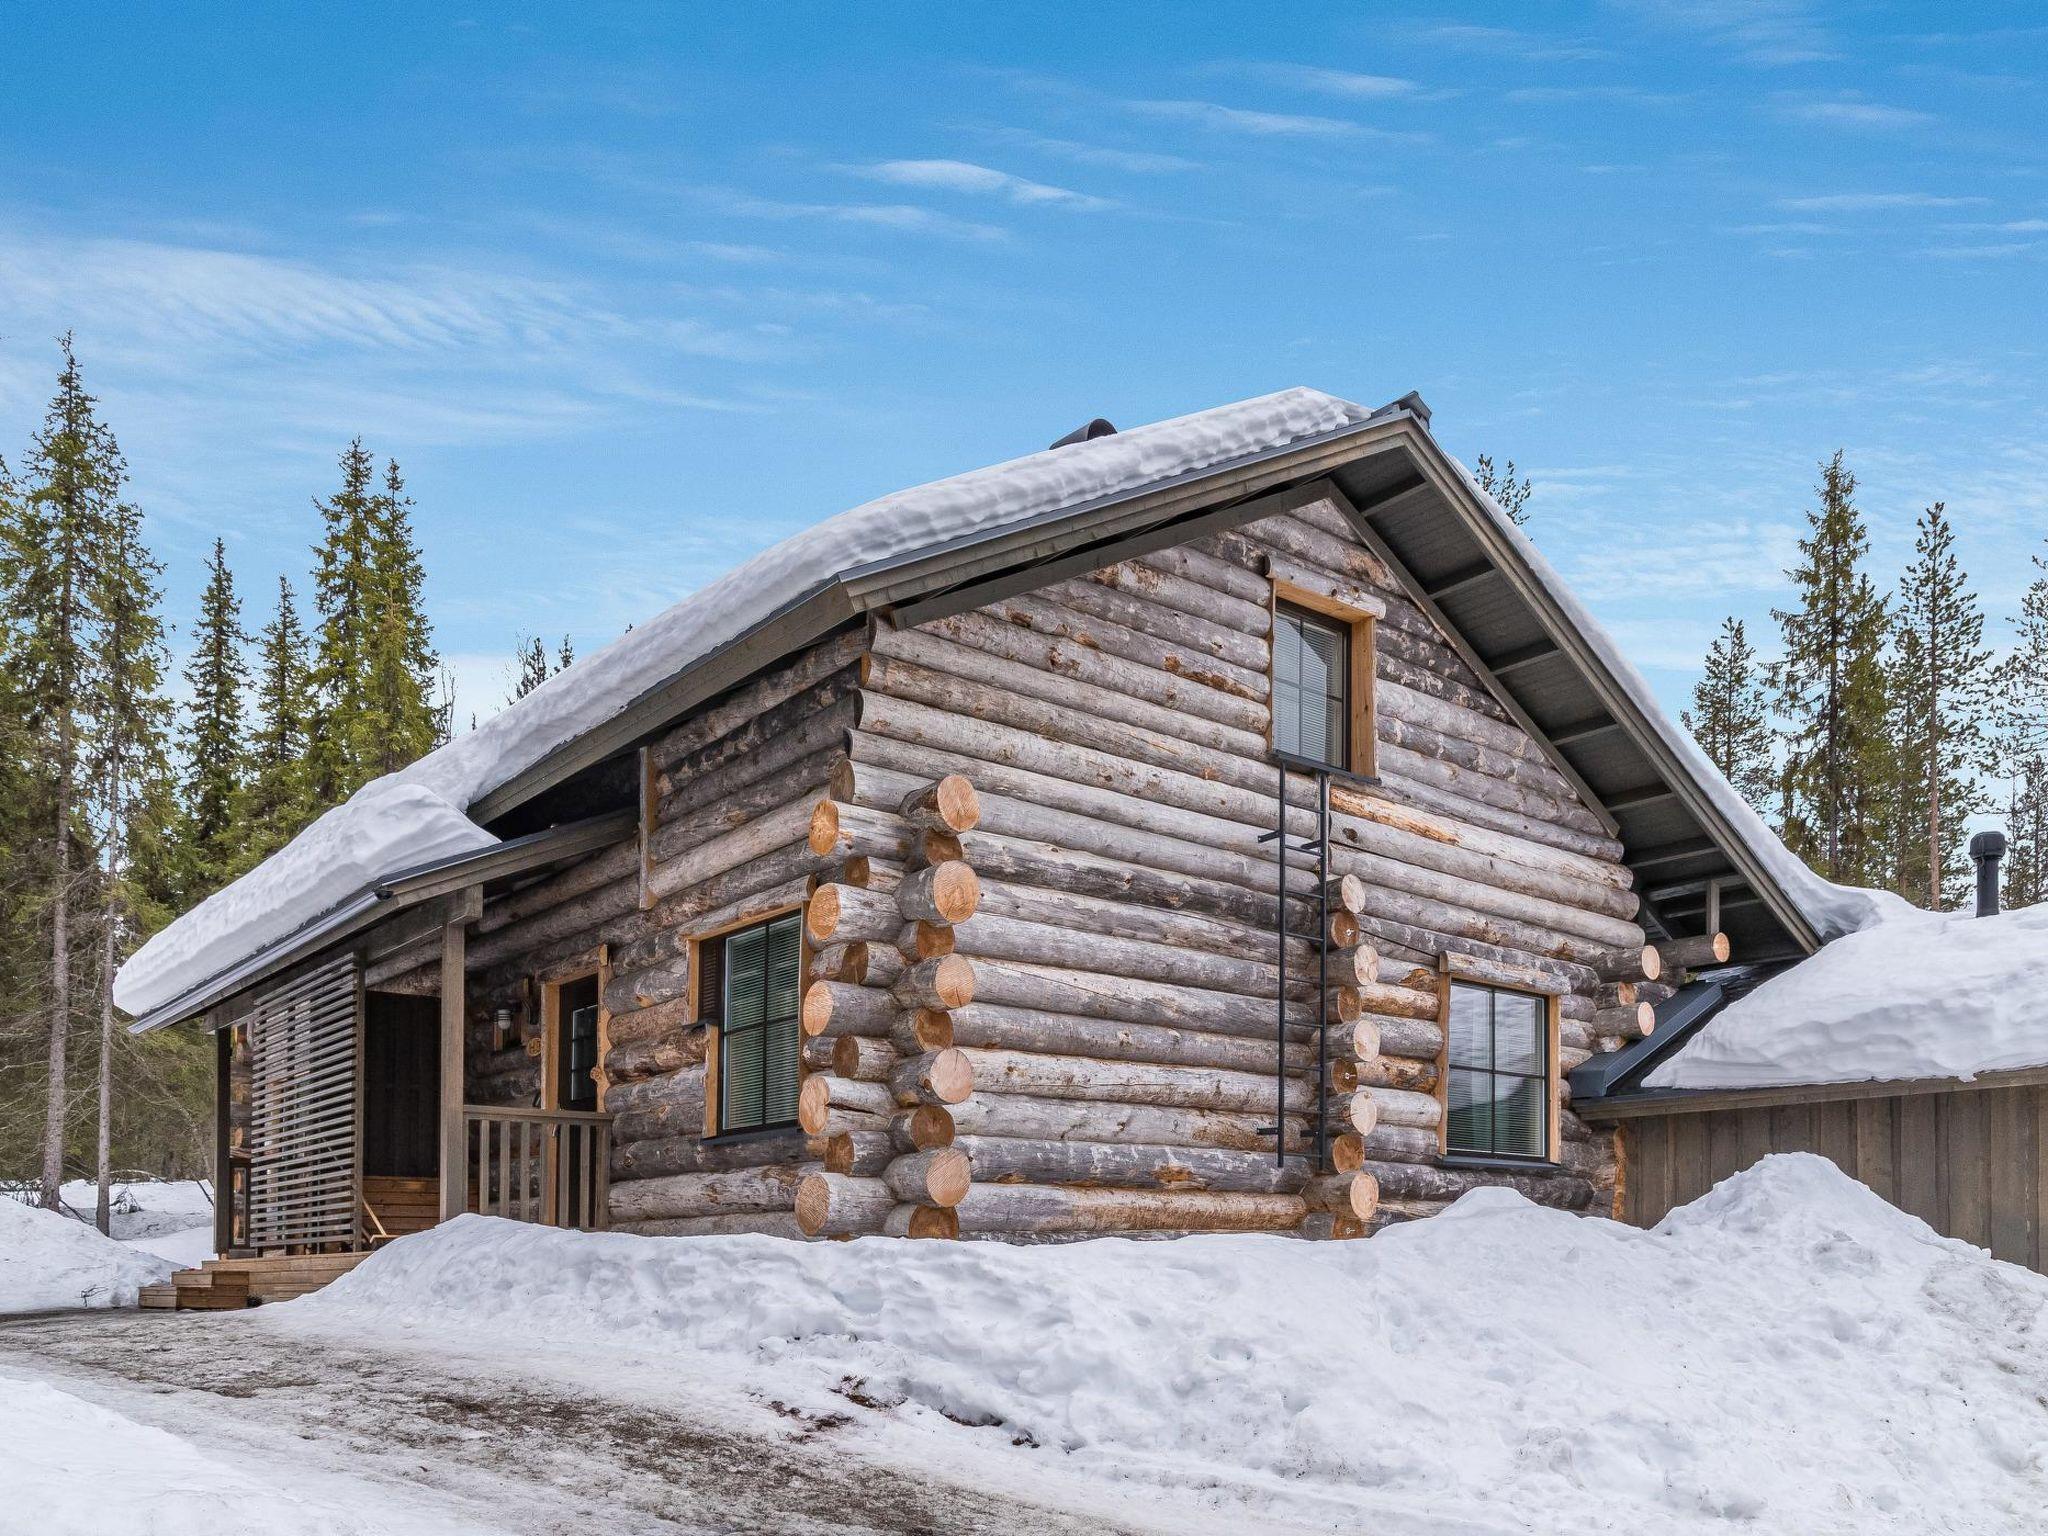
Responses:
[550,1166]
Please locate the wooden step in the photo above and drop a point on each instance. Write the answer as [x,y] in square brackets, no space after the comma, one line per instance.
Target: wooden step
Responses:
[217,1282]
[157,1298]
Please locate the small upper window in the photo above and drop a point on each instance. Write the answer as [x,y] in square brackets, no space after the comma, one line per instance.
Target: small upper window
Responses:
[1498,1093]
[760,1042]
[1311,687]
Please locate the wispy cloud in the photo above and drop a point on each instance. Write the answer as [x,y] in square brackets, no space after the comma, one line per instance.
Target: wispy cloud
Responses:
[1138,161]
[909,218]
[1854,112]
[979,180]
[1563,95]
[1991,252]
[1332,82]
[1873,202]
[1530,46]
[1774,32]
[1209,114]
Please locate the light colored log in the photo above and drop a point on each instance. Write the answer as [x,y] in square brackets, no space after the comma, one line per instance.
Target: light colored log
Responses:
[646,1023]
[1129,1165]
[1356,1193]
[1630,963]
[704,1194]
[822,1095]
[1065,1034]
[1025,1117]
[863,1154]
[869,1061]
[785,826]
[940,1176]
[841,1008]
[943,983]
[933,1221]
[845,913]
[942,893]
[1123,1082]
[837,1205]
[947,805]
[1039,1208]
[936,1077]
[1421,1181]
[1694,954]
[1629,1022]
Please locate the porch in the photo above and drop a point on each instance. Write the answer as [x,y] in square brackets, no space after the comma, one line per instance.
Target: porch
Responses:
[360,1094]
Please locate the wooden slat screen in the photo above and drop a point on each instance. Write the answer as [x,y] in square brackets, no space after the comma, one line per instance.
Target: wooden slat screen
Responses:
[305,1089]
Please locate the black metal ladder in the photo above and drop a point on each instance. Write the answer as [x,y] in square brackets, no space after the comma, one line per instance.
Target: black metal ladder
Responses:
[1317,849]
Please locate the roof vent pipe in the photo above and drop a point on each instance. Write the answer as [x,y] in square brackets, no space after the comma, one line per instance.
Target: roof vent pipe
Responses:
[1987,848]
[1096,428]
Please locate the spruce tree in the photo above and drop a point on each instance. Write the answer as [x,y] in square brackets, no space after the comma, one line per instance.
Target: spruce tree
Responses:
[217,676]
[402,667]
[1831,691]
[1941,682]
[59,528]
[131,718]
[1511,494]
[2026,828]
[344,594]
[1729,715]
[278,793]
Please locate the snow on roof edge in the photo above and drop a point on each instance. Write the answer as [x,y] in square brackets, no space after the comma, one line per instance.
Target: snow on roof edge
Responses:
[420,812]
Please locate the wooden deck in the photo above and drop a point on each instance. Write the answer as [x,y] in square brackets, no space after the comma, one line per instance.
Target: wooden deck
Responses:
[228,1285]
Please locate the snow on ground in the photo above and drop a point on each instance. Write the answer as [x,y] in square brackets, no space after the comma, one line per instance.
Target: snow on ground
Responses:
[1920,994]
[74,1468]
[48,1260]
[417,814]
[171,1218]
[1788,1353]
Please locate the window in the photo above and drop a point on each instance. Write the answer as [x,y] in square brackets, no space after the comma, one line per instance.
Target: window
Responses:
[1497,1049]
[577,1010]
[1322,672]
[751,986]
[1311,687]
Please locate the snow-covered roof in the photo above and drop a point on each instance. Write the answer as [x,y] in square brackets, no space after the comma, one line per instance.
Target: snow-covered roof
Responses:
[1914,995]
[419,813]
[422,813]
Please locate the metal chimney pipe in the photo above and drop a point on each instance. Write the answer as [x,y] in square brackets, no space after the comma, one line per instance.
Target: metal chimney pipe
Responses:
[1987,848]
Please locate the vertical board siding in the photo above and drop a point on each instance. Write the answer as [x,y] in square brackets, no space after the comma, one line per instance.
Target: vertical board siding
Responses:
[1969,1163]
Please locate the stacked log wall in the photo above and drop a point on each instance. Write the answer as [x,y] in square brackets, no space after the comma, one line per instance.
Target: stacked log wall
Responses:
[1122,1033]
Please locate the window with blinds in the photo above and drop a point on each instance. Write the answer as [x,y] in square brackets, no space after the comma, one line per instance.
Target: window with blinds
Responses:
[758,989]
[1498,1086]
[1311,687]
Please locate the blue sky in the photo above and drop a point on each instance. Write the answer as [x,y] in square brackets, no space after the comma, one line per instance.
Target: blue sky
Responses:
[632,291]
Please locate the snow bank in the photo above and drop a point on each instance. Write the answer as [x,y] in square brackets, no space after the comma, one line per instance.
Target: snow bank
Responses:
[171,1218]
[49,1260]
[76,1469]
[417,814]
[1788,1354]
[1921,994]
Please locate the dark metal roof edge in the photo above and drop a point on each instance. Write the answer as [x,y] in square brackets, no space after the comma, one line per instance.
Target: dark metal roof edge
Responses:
[1619,702]
[395,893]
[1679,1018]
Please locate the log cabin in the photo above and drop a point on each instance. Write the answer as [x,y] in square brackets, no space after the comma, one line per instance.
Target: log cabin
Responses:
[1226,825]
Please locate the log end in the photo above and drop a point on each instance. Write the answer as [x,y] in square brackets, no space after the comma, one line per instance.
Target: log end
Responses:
[948,1173]
[953,981]
[929,1126]
[1653,963]
[816,1011]
[956,803]
[950,1075]
[813,1105]
[824,833]
[956,891]
[821,912]
[1365,1040]
[932,1028]
[1720,947]
[933,1221]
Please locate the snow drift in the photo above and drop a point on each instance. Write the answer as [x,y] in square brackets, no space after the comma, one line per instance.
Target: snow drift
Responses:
[50,1261]
[1920,994]
[1789,1353]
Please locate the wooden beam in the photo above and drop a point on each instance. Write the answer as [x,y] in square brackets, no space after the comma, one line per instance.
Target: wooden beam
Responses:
[1523,656]
[1458,580]
[454,1020]
[1670,853]
[223,1150]
[1583,730]
[1645,794]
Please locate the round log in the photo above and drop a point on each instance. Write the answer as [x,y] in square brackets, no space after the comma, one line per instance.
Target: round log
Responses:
[940,1176]
[946,981]
[838,1205]
[937,1077]
[950,805]
[942,893]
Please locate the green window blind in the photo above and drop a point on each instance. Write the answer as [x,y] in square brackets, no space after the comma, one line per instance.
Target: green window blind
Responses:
[759,1040]
[1311,687]
[1499,1079]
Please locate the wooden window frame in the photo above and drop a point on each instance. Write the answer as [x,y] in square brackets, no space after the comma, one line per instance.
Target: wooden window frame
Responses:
[1449,974]
[1361,721]
[713,1066]
[551,987]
